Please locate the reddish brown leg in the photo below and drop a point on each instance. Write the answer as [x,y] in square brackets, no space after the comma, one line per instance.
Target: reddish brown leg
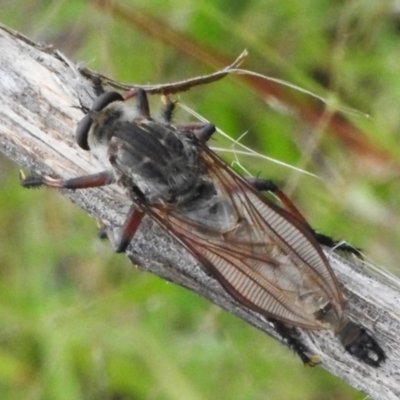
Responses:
[265,185]
[83,182]
[131,225]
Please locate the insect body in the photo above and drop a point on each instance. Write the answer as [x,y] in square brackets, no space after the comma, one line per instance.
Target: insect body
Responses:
[266,257]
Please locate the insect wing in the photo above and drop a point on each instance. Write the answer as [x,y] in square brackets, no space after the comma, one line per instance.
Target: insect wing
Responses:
[266,259]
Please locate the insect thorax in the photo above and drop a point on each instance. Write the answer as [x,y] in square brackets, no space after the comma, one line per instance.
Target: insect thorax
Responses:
[155,158]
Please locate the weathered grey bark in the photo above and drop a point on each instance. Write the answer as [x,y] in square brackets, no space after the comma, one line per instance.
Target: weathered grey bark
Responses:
[39,89]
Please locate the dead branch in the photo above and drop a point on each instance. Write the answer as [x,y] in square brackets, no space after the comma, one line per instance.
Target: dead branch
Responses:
[40,94]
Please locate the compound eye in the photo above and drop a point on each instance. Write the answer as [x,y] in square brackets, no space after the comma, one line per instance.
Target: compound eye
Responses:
[106,99]
[82,132]
[83,128]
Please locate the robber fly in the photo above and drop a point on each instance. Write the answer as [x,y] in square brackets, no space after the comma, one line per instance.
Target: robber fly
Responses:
[265,256]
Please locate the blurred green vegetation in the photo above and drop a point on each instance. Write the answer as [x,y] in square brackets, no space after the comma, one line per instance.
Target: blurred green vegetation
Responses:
[77,321]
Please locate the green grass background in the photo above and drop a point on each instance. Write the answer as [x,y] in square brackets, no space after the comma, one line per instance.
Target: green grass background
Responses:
[77,321]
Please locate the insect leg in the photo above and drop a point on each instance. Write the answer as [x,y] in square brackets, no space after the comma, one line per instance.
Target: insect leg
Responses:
[129,228]
[327,241]
[203,131]
[83,182]
[291,337]
[168,109]
[142,103]
[265,185]
[89,181]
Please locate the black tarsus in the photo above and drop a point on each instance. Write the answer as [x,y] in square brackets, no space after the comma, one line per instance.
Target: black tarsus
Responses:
[263,185]
[168,110]
[291,337]
[32,181]
[102,233]
[327,241]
